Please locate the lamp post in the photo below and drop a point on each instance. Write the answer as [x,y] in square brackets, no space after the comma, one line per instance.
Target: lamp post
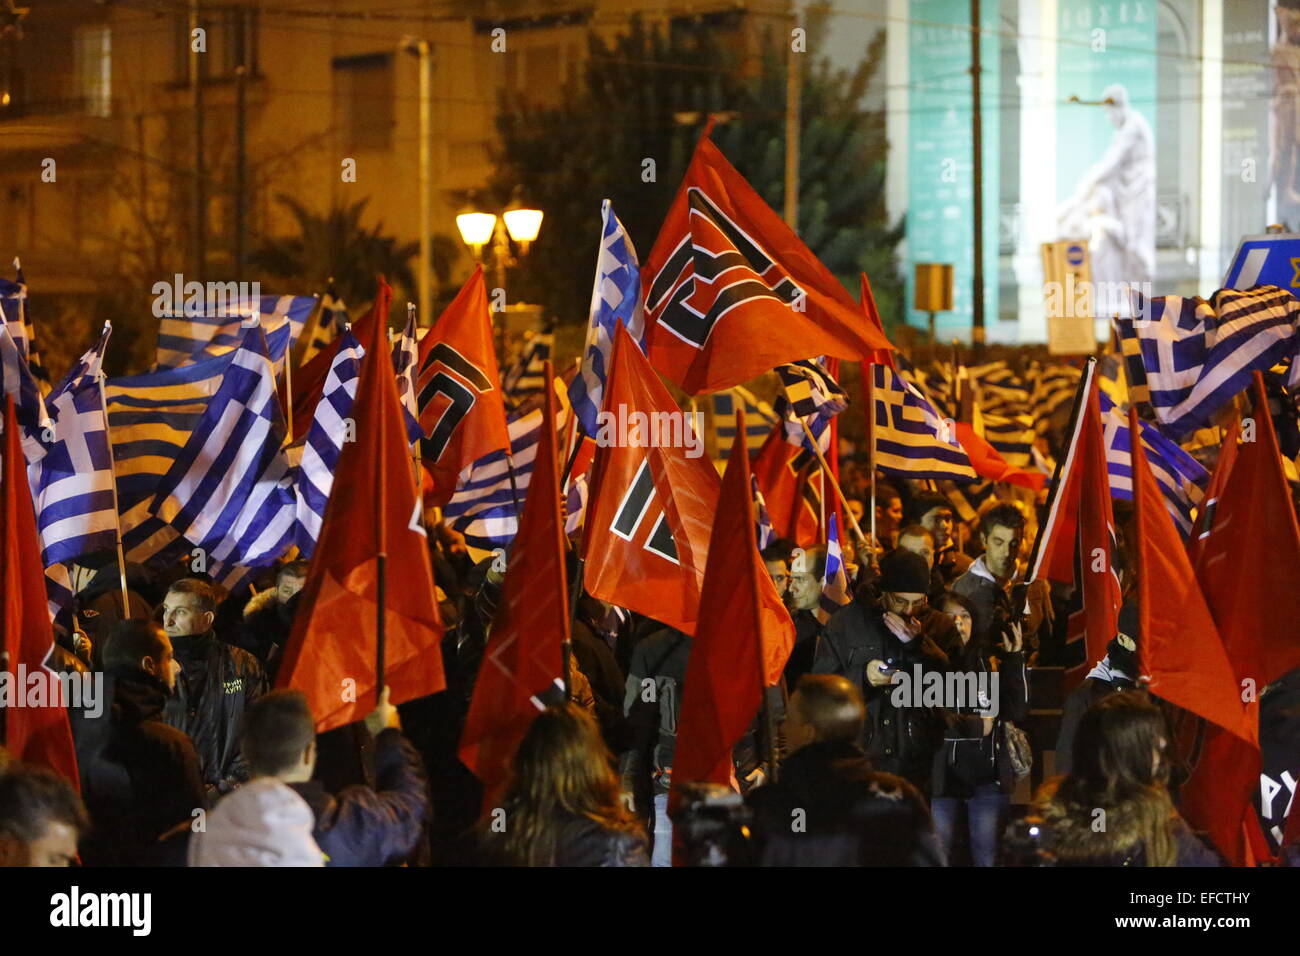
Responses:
[477,228]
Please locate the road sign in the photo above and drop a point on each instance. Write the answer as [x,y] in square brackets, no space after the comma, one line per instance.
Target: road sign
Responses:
[1273,259]
[1068,298]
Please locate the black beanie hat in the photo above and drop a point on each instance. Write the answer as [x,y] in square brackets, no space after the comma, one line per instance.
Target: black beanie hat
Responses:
[1122,649]
[905,572]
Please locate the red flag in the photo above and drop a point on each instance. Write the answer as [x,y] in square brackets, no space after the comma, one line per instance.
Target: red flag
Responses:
[372,513]
[649,511]
[1180,652]
[789,476]
[731,291]
[1078,539]
[881,356]
[459,390]
[38,732]
[522,663]
[1246,553]
[987,463]
[742,640]
[1248,558]
[309,378]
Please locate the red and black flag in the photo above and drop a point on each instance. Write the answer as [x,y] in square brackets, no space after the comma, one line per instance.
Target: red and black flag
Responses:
[458,390]
[731,292]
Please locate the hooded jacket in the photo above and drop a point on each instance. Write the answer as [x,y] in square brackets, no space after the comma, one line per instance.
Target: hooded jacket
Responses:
[216,685]
[263,823]
[139,777]
[1075,839]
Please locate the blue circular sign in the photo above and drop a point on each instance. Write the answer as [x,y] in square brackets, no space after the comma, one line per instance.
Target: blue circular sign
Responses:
[1074,254]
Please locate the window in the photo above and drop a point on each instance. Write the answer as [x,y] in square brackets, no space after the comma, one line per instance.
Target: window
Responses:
[94,69]
[363,100]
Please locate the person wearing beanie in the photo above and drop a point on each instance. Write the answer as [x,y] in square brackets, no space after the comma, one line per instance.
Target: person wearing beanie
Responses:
[873,638]
[263,823]
[1117,671]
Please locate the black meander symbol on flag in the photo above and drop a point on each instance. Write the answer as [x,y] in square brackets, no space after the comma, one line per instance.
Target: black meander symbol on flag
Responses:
[683,295]
[636,507]
[448,373]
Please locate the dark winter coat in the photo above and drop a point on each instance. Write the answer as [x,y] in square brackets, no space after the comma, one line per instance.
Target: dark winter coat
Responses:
[989,599]
[969,758]
[1074,839]
[652,716]
[379,827]
[139,777]
[900,740]
[846,814]
[580,841]
[217,683]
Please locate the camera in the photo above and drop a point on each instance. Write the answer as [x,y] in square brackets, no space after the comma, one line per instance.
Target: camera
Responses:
[711,825]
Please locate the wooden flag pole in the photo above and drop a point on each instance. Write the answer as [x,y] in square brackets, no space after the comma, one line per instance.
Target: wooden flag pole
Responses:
[381,538]
[827,472]
[575,587]
[871,448]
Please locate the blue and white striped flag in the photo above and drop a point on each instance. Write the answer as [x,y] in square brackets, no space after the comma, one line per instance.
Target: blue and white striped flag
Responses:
[1181,478]
[759,419]
[184,338]
[325,325]
[910,438]
[483,507]
[60,598]
[323,445]
[835,580]
[29,408]
[615,297]
[809,389]
[527,376]
[405,359]
[1196,355]
[151,418]
[72,485]
[230,491]
[1012,437]
[763,520]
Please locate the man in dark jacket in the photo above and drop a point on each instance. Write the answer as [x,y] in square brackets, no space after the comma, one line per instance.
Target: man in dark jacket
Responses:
[1115,672]
[139,777]
[358,826]
[988,582]
[831,807]
[268,615]
[216,684]
[869,641]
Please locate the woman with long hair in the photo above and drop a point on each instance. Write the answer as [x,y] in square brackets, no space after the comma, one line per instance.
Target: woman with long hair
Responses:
[563,806]
[1113,808]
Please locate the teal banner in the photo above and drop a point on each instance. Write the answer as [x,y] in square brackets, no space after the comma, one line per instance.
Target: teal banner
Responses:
[940,164]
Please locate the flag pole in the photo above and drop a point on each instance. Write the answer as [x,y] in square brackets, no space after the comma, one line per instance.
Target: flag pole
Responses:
[381,558]
[288,391]
[575,589]
[112,468]
[751,535]
[1054,488]
[827,472]
[871,448]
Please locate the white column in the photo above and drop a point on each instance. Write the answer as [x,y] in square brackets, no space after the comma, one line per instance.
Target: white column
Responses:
[1037,82]
[1211,256]
[896,105]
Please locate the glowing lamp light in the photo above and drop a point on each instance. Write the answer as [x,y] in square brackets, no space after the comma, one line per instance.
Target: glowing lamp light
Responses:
[523,224]
[476,228]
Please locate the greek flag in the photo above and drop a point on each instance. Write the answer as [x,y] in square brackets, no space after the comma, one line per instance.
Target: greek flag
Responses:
[229,492]
[323,445]
[29,408]
[1181,478]
[527,375]
[60,598]
[72,485]
[1012,437]
[759,419]
[615,297]
[1001,392]
[765,531]
[17,308]
[835,580]
[909,436]
[151,418]
[325,325]
[1196,355]
[809,388]
[1054,387]
[483,507]
[184,338]
[405,359]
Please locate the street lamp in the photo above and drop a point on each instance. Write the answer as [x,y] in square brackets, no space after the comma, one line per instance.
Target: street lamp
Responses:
[478,228]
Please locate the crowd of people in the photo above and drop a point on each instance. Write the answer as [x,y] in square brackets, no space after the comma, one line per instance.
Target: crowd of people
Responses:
[196,761]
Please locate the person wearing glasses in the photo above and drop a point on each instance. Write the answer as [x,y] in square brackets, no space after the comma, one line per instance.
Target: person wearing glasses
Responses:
[877,641]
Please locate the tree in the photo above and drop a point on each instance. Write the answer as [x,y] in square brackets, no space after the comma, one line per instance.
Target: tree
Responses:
[643,96]
[337,245]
